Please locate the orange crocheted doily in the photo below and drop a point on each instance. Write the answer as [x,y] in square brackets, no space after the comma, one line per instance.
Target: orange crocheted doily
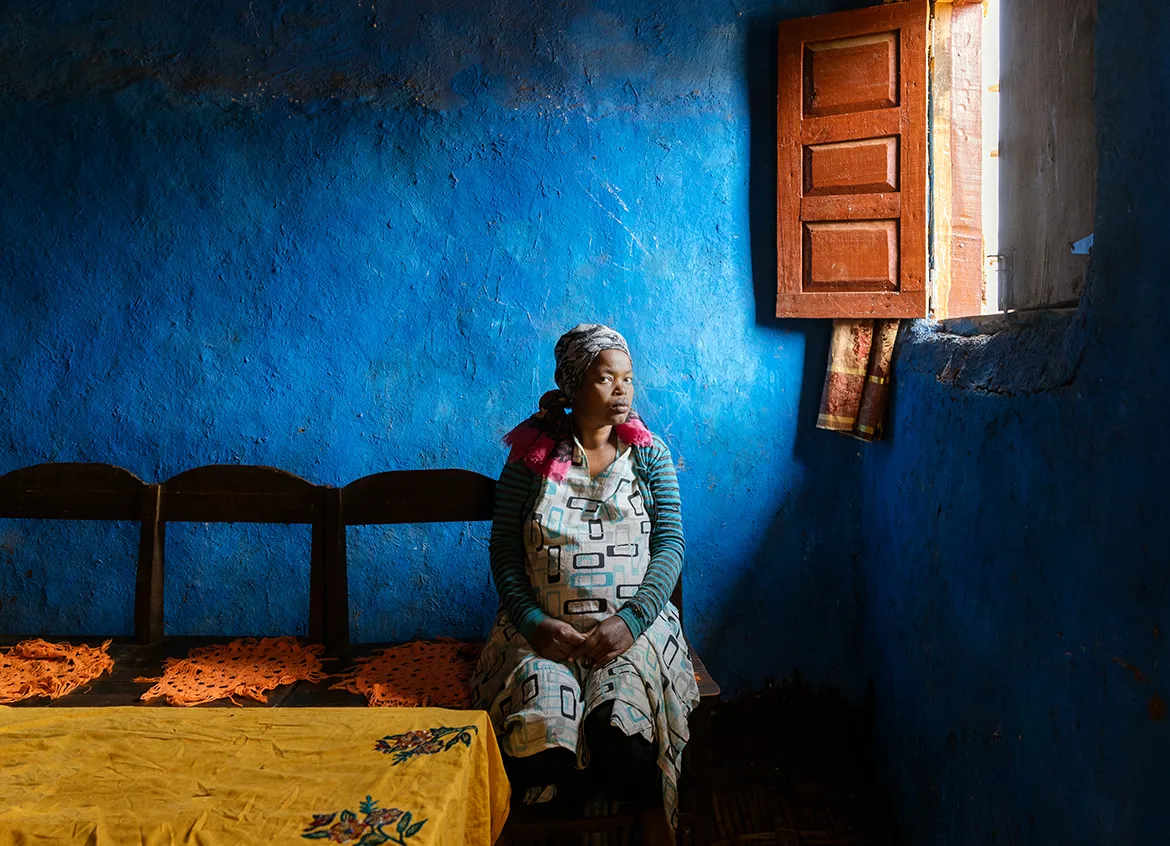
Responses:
[244,667]
[415,675]
[39,668]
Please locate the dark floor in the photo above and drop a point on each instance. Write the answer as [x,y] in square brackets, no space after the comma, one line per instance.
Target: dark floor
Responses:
[790,769]
[785,805]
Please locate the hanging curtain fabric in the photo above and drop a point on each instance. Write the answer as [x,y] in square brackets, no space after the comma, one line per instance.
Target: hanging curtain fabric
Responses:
[857,381]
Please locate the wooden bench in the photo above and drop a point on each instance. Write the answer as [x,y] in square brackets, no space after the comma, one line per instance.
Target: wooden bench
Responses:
[227,494]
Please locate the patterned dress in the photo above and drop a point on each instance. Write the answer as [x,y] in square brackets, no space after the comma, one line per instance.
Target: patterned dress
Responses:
[587,543]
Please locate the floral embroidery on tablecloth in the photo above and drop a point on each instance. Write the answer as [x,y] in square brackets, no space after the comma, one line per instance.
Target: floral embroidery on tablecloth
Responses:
[368,831]
[424,742]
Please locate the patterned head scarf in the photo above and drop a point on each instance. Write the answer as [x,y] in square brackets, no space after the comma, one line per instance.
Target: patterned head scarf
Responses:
[544,442]
[576,350]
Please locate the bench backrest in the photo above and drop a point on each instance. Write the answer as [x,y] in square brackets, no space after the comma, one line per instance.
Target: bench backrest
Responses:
[213,494]
[249,494]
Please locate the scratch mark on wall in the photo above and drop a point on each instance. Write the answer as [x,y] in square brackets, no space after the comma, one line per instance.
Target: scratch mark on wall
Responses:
[616,195]
[618,221]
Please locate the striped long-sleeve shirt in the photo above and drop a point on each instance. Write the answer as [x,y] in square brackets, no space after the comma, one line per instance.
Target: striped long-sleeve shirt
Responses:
[516,494]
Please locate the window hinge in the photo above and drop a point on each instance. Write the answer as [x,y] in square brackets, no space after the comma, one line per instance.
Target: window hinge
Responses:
[1003,272]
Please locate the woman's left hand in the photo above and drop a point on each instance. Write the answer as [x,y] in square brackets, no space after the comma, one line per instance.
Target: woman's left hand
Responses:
[609,639]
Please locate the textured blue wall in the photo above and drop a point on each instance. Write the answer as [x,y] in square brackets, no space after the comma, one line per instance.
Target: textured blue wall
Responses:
[342,237]
[1016,593]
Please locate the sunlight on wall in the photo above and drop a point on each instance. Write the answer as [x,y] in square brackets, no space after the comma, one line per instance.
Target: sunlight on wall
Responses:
[991,152]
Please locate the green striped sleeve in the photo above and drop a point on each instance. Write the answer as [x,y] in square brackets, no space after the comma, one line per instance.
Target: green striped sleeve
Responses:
[507,551]
[666,543]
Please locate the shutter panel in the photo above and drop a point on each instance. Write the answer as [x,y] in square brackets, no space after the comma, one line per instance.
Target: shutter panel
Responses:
[851,177]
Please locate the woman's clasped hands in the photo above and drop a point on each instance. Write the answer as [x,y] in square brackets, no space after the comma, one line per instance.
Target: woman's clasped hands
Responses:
[559,641]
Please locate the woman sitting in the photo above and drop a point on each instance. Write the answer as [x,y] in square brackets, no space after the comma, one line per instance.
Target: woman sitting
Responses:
[586,665]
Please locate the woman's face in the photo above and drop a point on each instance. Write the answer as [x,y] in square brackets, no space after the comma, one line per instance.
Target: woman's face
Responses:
[605,395]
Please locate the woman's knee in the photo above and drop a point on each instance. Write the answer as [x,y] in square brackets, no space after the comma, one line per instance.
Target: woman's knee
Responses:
[545,767]
[612,748]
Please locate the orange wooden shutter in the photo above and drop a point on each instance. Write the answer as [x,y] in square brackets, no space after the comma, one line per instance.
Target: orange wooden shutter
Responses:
[852,192]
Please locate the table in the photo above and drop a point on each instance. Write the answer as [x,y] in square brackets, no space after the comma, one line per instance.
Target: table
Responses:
[120,775]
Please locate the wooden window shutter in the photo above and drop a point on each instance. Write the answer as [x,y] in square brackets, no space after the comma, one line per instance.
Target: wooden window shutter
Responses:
[852,181]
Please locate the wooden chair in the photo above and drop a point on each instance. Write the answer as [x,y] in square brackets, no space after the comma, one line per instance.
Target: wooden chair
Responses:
[436,496]
[223,493]
[97,492]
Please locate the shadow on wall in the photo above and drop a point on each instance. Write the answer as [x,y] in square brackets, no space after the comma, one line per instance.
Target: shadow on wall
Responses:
[811,605]
[808,606]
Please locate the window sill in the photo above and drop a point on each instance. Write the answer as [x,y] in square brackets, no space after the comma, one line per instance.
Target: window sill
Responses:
[993,324]
[1013,353]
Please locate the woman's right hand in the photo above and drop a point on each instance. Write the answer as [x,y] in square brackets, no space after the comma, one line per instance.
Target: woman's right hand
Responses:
[555,640]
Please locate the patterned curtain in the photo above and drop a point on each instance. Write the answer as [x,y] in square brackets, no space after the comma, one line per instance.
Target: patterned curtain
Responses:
[857,382]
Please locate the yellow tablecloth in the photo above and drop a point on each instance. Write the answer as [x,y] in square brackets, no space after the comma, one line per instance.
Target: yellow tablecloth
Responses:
[136,775]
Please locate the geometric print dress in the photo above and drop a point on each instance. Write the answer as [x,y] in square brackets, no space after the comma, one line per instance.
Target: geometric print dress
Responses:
[588,546]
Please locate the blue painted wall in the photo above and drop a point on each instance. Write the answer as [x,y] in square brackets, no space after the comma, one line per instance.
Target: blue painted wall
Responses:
[1015,589]
[341,238]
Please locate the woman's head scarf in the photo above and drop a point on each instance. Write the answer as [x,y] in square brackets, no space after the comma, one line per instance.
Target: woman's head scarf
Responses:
[544,442]
[576,350]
